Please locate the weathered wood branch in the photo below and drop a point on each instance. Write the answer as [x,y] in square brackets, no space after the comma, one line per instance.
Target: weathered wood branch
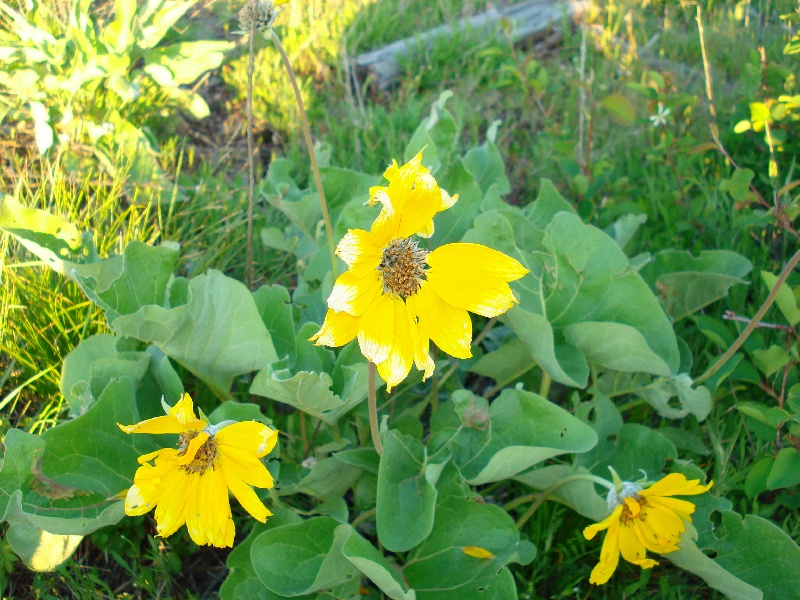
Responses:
[526,20]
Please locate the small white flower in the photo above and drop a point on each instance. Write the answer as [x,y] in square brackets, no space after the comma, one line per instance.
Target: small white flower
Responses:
[660,118]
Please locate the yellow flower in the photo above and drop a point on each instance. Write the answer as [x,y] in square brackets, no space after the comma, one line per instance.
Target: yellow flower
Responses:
[397,296]
[190,484]
[643,519]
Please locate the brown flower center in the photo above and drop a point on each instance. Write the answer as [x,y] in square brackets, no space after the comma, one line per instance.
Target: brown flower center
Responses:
[204,459]
[402,267]
[627,516]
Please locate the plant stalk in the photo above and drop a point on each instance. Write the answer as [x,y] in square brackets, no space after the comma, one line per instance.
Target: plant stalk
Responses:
[751,326]
[251,168]
[372,403]
[301,111]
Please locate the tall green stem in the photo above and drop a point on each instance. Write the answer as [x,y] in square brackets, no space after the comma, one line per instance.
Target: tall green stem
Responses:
[372,403]
[787,270]
[250,161]
[301,110]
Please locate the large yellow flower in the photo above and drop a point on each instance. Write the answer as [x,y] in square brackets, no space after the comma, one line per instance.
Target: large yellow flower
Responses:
[190,484]
[641,520]
[397,296]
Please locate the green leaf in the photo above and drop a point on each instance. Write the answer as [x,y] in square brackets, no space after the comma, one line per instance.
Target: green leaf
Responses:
[524,429]
[51,238]
[623,229]
[565,364]
[660,393]
[329,478]
[188,60]
[689,558]
[440,570]
[630,450]
[621,110]
[738,186]
[406,486]
[759,553]
[615,346]
[292,560]
[579,494]
[121,285]
[40,550]
[217,335]
[486,165]
[367,559]
[785,471]
[66,480]
[437,134]
[451,225]
[785,300]
[581,275]
[771,360]
[343,185]
[242,581]
[686,284]
[309,392]
[509,361]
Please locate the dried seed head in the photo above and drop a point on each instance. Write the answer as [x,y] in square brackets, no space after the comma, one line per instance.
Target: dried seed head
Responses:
[402,267]
[258,15]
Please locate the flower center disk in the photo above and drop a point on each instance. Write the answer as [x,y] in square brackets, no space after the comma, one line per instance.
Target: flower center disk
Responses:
[402,267]
[204,459]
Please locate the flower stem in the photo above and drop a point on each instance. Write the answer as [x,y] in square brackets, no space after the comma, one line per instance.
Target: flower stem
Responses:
[540,497]
[372,403]
[248,273]
[787,270]
[301,110]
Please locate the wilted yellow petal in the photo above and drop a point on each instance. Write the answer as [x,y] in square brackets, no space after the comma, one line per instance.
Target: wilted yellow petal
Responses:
[477,552]
[338,329]
[395,368]
[376,330]
[352,295]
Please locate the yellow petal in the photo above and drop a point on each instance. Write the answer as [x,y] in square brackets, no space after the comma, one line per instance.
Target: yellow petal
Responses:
[657,534]
[450,328]
[633,506]
[473,277]
[475,261]
[593,530]
[208,509]
[138,503]
[395,368]
[683,509]
[170,513]
[249,436]
[359,252]
[376,330]
[166,424]
[676,484]
[420,338]
[184,412]
[630,546]
[338,329]
[477,552]
[246,496]
[409,204]
[609,555]
[353,295]
[245,466]
[191,450]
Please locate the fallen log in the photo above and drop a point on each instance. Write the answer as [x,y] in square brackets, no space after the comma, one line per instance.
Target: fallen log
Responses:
[525,21]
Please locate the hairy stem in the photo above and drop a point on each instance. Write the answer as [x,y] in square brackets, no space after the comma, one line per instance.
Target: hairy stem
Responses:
[301,111]
[372,403]
[751,326]
[251,168]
